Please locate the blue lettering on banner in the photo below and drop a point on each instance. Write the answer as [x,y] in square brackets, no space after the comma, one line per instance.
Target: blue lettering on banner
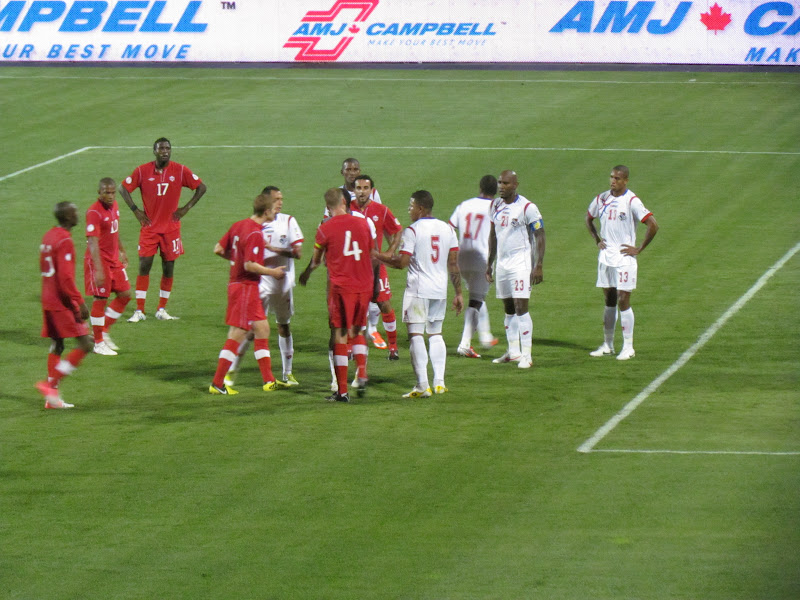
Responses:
[753,25]
[442,29]
[617,15]
[132,51]
[87,15]
[757,55]
[319,29]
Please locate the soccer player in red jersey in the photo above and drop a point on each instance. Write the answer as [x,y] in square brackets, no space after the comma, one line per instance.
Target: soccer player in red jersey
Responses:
[384,221]
[243,246]
[104,266]
[63,307]
[348,246]
[160,183]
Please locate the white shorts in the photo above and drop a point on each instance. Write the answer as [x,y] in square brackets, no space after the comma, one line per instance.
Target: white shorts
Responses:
[424,310]
[621,278]
[281,305]
[513,285]
[477,285]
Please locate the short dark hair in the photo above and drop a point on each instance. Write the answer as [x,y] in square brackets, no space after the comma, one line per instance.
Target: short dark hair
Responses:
[423,199]
[262,203]
[159,140]
[60,211]
[350,160]
[626,172]
[269,189]
[106,181]
[488,185]
[366,178]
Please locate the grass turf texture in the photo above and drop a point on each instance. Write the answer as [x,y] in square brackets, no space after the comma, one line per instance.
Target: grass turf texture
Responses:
[153,488]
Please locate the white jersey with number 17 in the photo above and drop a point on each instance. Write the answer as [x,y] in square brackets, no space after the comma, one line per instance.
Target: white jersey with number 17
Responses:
[471,218]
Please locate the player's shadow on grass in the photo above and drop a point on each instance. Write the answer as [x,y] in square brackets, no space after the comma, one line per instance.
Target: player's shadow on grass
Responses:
[560,344]
[24,337]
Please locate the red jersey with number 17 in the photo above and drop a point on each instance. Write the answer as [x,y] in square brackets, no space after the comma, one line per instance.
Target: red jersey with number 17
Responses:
[244,243]
[57,265]
[161,192]
[348,242]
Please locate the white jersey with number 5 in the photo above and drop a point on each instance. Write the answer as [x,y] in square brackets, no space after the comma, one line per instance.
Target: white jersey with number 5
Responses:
[471,218]
[618,218]
[513,224]
[428,241]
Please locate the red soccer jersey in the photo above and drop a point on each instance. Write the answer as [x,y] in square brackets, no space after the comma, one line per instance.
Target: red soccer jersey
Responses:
[347,241]
[382,218]
[161,191]
[244,243]
[57,265]
[103,223]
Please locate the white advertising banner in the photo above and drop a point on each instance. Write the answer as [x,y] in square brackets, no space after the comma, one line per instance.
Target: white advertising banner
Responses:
[718,32]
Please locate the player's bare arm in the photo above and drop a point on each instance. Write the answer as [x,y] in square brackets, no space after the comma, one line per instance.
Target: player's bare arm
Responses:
[94,252]
[492,254]
[198,193]
[537,274]
[143,219]
[254,267]
[652,229]
[601,244]
[316,261]
[455,279]
[395,261]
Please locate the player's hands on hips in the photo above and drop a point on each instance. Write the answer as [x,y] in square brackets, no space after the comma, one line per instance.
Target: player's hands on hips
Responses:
[627,250]
[144,220]
[601,244]
[179,214]
[537,276]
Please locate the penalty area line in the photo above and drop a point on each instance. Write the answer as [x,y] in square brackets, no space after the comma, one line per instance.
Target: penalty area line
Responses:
[589,444]
[45,163]
[723,452]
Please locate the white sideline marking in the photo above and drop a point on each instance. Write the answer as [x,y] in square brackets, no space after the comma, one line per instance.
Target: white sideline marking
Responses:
[339,78]
[736,452]
[47,162]
[589,444]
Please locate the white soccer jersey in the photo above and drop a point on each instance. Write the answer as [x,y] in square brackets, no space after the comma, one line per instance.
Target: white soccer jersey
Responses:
[471,218]
[428,241]
[513,224]
[618,218]
[283,232]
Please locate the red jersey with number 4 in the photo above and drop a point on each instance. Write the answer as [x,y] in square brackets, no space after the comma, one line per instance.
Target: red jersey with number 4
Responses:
[57,265]
[348,242]
[244,243]
[161,191]
[381,217]
[103,223]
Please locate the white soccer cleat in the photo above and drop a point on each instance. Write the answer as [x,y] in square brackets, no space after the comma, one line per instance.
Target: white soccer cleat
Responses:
[604,350]
[626,353]
[526,362]
[289,380]
[163,315]
[468,351]
[440,389]
[418,393]
[507,358]
[104,349]
[137,316]
[58,403]
[109,342]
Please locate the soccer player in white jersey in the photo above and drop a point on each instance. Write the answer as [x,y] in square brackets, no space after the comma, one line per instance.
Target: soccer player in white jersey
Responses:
[283,243]
[517,240]
[471,219]
[619,210]
[429,250]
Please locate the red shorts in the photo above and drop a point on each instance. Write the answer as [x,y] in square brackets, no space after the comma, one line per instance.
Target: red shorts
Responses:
[383,292]
[168,243]
[347,309]
[61,324]
[116,279]
[244,305]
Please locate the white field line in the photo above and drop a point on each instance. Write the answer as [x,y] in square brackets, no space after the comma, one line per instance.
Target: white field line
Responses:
[589,444]
[45,163]
[339,77]
[723,452]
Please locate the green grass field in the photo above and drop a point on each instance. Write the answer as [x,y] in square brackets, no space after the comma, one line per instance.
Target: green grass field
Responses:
[152,488]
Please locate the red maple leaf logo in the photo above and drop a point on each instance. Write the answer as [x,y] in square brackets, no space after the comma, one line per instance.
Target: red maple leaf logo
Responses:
[715,20]
[353,29]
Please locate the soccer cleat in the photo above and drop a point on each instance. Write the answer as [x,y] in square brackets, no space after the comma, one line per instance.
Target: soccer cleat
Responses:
[104,349]
[468,352]
[337,397]
[137,316]
[109,342]
[418,393]
[225,390]
[490,343]
[57,403]
[228,380]
[507,358]
[163,315]
[360,385]
[393,353]
[604,350]
[289,380]
[626,353]
[49,392]
[440,389]
[271,386]
[378,341]
[526,362]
